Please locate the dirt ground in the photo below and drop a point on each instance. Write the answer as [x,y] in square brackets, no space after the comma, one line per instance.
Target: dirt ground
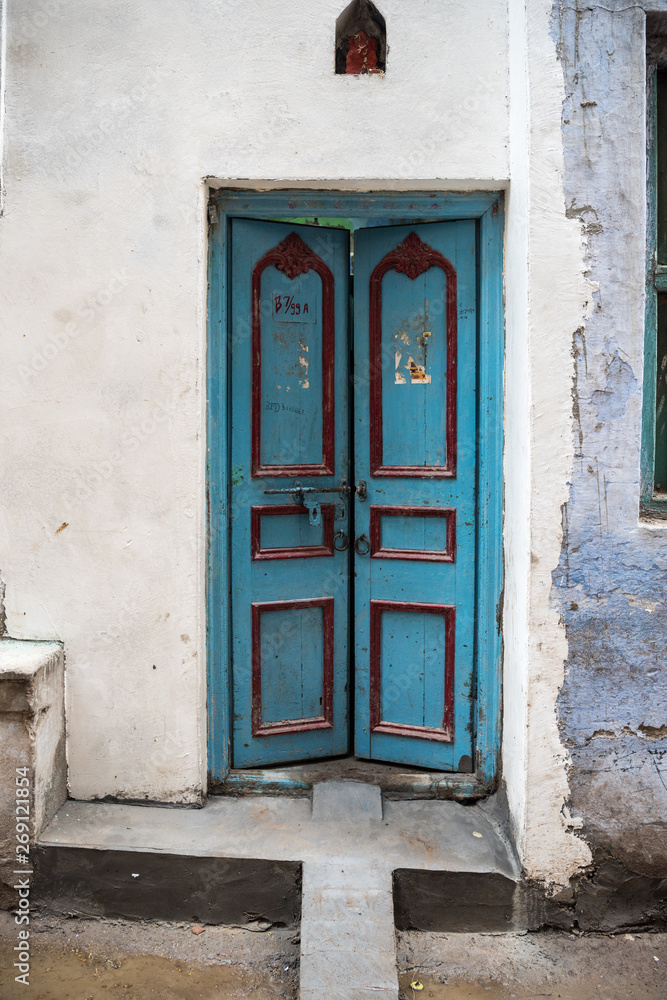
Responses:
[126,960]
[74,959]
[526,966]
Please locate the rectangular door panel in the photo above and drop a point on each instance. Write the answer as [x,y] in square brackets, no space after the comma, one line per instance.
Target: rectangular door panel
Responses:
[415,420]
[284,531]
[427,534]
[412,669]
[289,429]
[292,666]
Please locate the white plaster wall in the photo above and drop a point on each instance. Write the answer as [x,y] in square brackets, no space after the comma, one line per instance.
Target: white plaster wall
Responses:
[517,434]
[115,112]
[548,300]
[3,56]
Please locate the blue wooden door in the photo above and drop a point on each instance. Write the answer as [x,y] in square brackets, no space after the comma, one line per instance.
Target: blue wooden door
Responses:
[289,449]
[415,417]
[413,522]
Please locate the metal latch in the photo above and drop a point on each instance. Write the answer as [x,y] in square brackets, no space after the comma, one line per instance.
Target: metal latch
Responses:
[314,512]
[299,492]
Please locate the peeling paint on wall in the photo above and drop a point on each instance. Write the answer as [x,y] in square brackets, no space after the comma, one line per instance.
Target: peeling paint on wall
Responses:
[610,582]
[610,402]
[559,299]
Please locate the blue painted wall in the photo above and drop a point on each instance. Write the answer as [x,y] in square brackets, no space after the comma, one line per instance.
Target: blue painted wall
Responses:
[610,586]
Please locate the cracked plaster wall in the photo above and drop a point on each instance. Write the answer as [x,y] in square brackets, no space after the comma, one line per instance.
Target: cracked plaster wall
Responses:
[544,264]
[610,583]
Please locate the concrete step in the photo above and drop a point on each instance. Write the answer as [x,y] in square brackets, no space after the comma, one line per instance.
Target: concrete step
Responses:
[428,834]
[348,942]
[341,863]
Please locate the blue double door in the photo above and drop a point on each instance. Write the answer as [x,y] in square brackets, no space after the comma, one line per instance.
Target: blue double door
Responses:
[353,493]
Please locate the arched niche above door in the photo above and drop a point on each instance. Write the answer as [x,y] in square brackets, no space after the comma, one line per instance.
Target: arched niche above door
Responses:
[361,39]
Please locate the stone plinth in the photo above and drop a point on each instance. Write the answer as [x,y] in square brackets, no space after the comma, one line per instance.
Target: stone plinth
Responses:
[32,736]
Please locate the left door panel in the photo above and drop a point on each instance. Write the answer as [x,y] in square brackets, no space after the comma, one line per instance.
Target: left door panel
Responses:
[289,428]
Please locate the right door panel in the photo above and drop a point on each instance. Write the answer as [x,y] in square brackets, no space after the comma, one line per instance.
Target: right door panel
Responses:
[415,421]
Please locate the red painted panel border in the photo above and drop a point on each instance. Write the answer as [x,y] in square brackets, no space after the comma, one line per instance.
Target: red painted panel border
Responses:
[445,734]
[324,721]
[423,555]
[294,257]
[411,257]
[294,552]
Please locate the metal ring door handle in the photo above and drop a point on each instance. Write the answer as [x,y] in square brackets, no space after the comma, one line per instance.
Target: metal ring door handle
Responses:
[346,541]
[362,540]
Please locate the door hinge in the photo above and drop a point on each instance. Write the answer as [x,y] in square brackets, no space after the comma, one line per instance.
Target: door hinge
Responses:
[212,215]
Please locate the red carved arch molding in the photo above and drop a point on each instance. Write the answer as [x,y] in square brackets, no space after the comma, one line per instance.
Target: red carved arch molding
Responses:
[412,257]
[294,257]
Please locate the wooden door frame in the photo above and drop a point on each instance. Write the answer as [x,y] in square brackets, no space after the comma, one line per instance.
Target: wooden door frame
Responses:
[390,208]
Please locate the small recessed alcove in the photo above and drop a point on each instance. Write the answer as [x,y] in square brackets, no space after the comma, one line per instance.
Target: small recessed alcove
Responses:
[361,40]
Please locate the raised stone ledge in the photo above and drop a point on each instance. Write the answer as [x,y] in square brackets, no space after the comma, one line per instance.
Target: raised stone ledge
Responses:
[32,735]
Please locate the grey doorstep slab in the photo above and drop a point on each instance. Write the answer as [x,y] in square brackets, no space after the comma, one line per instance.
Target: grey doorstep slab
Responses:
[431,834]
[348,941]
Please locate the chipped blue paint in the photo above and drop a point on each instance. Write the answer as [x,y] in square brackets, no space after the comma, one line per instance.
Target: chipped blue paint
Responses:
[610,583]
[610,402]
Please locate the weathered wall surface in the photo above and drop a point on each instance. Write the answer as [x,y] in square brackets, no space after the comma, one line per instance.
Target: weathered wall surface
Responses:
[115,113]
[32,738]
[548,296]
[610,584]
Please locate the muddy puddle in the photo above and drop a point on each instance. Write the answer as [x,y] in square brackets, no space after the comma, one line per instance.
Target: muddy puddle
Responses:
[74,974]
